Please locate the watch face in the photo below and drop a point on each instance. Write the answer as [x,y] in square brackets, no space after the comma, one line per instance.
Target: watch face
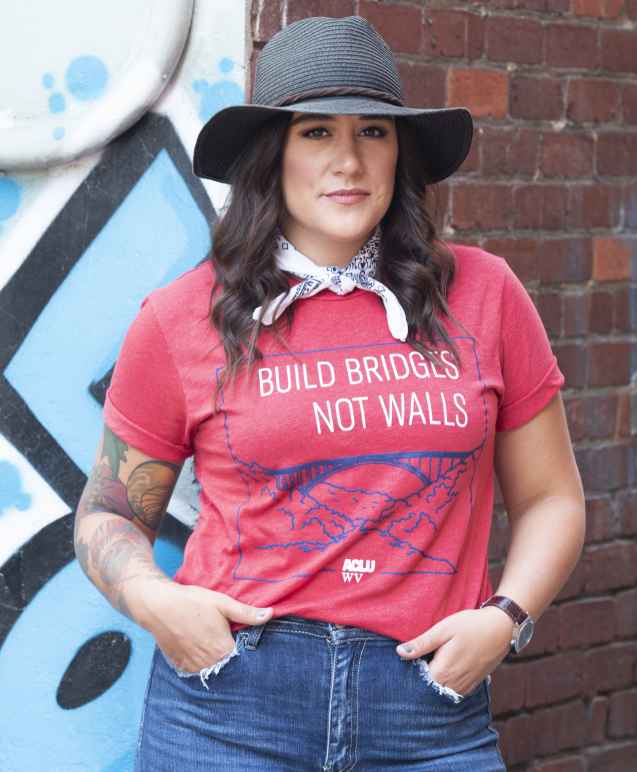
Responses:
[525,633]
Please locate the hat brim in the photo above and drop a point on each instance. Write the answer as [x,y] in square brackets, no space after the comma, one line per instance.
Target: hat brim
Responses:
[446,132]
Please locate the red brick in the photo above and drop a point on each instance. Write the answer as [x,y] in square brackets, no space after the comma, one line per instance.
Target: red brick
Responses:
[445,33]
[570,764]
[510,39]
[592,417]
[631,9]
[508,151]
[619,51]
[422,83]
[613,759]
[601,312]
[549,305]
[539,207]
[621,307]
[587,622]
[556,678]
[603,468]
[565,260]
[508,688]
[536,99]
[629,102]
[594,206]
[516,740]
[560,728]
[521,254]
[626,614]
[630,205]
[481,207]
[598,716]
[575,313]
[301,9]
[622,717]
[600,9]
[567,155]
[475,36]
[622,424]
[266,19]
[599,517]
[593,100]
[610,364]
[612,258]
[401,26]
[609,668]
[617,154]
[612,566]
[499,538]
[627,513]
[568,45]
[484,92]
[573,362]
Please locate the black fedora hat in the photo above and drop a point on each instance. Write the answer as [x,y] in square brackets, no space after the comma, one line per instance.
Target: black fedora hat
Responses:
[335,66]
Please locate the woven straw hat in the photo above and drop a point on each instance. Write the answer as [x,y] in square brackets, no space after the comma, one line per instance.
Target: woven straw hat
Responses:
[334,66]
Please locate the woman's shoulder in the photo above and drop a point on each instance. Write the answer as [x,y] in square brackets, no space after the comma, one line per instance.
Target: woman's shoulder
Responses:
[185,299]
[477,265]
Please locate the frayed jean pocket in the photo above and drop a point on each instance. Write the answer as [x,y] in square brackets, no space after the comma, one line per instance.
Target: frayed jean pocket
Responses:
[215,668]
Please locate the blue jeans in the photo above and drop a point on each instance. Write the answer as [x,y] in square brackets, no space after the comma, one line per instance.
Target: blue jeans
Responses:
[299,694]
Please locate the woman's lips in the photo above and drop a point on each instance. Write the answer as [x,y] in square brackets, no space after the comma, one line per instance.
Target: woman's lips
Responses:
[353,199]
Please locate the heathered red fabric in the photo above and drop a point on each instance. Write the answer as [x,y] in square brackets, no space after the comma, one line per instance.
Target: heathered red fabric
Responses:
[347,480]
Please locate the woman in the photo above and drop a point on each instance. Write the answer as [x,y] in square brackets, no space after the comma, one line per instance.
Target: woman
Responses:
[347,384]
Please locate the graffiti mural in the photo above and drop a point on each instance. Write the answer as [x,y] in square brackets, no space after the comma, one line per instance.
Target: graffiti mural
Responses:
[95,212]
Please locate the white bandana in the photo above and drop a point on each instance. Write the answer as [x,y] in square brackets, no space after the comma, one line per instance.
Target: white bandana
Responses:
[359,272]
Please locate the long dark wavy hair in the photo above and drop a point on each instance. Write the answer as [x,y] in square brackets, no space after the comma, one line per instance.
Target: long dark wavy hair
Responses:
[415,264]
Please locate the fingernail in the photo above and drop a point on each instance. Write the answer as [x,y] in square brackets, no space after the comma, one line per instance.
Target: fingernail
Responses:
[404,649]
[262,614]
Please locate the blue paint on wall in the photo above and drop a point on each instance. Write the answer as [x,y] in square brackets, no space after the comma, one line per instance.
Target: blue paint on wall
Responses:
[12,496]
[57,103]
[86,77]
[58,132]
[10,195]
[63,615]
[155,234]
[48,80]
[222,93]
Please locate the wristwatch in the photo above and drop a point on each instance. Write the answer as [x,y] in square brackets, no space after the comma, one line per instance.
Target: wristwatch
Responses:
[523,630]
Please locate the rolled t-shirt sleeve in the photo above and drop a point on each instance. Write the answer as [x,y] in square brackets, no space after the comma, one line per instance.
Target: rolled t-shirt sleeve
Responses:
[530,372]
[145,403]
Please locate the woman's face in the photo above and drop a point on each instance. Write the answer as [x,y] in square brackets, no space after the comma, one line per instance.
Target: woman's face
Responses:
[327,153]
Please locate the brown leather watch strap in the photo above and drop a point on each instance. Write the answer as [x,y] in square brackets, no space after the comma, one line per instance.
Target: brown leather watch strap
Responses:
[517,614]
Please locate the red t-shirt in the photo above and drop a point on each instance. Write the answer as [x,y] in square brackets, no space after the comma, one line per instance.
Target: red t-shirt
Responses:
[348,479]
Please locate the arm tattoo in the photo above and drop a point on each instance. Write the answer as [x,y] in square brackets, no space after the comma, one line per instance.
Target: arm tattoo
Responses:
[118,550]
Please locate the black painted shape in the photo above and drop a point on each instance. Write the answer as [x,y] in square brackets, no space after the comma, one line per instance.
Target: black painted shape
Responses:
[98,389]
[94,669]
[50,550]
[58,250]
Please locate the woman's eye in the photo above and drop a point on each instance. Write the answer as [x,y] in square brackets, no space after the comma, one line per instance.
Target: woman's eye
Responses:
[380,132]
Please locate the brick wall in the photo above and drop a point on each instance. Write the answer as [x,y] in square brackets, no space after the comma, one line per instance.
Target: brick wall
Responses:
[550,185]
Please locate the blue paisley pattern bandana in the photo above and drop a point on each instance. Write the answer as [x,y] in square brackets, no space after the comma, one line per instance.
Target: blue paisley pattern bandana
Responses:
[359,272]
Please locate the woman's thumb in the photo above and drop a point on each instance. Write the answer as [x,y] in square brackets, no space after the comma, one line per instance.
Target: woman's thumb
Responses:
[244,612]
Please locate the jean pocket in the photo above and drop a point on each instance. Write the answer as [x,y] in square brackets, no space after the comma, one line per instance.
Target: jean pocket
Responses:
[446,692]
[215,668]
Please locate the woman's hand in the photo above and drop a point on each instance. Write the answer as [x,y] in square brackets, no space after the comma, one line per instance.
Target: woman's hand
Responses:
[470,644]
[190,623]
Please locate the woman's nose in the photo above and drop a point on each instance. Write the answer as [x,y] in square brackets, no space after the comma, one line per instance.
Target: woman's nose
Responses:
[347,156]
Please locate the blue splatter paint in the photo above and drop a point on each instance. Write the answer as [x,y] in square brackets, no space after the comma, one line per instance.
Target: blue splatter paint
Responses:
[57,103]
[216,96]
[86,78]
[226,64]
[48,80]
[58,132]
[11,494]
[9,197]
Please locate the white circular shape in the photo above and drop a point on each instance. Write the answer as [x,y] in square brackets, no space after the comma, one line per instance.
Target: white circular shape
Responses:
[77,74]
